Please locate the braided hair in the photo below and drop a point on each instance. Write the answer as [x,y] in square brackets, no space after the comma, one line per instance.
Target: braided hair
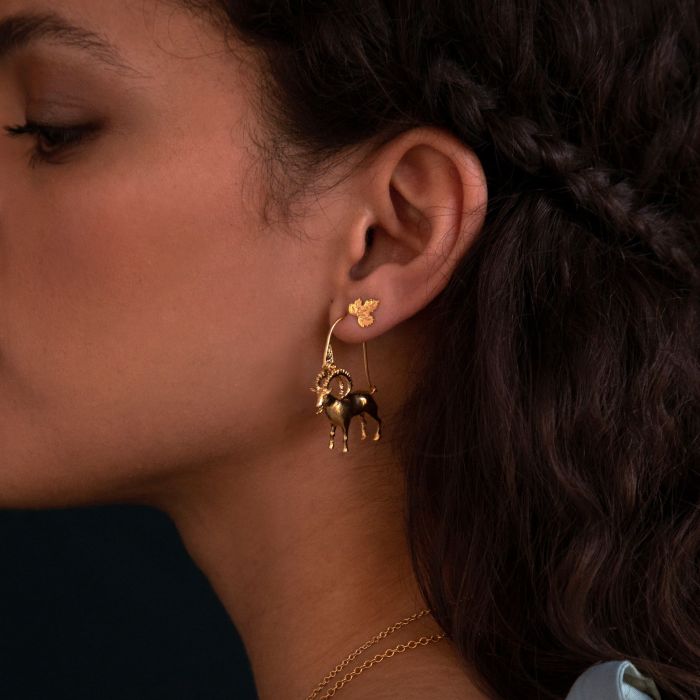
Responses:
[551,449]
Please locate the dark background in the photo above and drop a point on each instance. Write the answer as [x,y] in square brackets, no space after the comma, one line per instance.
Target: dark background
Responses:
[105,604]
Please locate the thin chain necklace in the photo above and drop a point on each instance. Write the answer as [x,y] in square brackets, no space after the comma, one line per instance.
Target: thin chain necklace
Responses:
[399,649]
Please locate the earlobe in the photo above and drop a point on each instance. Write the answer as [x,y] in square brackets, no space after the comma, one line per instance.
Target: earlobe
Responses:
[426,196]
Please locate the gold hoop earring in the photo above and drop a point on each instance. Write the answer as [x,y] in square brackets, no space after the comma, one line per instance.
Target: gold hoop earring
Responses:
[341,409]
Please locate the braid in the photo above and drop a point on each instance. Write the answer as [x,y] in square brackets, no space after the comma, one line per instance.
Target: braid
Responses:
[598,194]
[570,174]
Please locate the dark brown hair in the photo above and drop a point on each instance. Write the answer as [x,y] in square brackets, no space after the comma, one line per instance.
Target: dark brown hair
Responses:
[551,450]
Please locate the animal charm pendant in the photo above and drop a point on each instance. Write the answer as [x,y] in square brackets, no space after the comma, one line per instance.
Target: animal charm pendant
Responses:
[342,408]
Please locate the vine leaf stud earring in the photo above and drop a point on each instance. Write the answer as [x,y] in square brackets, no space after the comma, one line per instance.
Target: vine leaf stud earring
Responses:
[341,409]
[363,311]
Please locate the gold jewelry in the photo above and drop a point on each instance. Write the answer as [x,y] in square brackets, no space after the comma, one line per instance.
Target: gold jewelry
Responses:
[363,311]
[399,649]
[341,409]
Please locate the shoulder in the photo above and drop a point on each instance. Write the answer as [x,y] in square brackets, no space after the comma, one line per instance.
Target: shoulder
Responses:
[613,680]
[607,680]
[423,693]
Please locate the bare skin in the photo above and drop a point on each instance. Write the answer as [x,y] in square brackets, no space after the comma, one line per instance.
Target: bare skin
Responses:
[158,340]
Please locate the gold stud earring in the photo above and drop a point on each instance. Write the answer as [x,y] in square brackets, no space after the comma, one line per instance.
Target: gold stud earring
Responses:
[363,311]
[341,409]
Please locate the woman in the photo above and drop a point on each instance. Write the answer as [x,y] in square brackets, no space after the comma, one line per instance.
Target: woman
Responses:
[209,208]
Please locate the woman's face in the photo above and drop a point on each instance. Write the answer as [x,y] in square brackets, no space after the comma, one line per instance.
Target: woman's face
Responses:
[148,322]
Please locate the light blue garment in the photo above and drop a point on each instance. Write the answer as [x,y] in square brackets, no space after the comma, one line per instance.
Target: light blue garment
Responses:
[613,680]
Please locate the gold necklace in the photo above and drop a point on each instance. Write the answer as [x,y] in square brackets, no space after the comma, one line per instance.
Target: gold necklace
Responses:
[399,649]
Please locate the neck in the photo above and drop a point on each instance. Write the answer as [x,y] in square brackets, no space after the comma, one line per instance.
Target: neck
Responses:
[307,554]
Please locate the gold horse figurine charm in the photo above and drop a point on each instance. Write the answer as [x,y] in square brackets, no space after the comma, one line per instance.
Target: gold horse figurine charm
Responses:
[341,409]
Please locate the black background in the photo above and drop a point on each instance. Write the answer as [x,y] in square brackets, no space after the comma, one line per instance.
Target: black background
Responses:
[105,604]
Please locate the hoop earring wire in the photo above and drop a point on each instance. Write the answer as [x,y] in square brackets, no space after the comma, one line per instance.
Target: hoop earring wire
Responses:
[341,409]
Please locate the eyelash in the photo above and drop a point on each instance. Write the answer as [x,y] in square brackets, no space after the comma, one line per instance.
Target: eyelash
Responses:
[60,138]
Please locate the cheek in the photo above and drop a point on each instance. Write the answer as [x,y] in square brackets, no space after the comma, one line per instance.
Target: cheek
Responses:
[136,323]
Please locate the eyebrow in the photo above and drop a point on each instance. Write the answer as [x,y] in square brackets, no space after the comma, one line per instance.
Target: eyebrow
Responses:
[20,30]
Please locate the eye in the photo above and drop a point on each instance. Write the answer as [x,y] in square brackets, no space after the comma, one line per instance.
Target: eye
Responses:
[51,140]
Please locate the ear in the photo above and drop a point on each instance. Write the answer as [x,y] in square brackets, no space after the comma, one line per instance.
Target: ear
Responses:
[418,205]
